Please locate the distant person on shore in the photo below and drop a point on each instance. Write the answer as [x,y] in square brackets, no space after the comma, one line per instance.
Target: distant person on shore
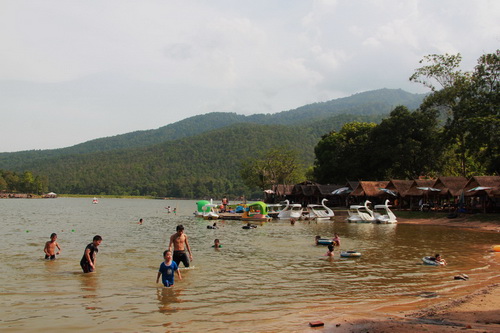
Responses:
[50,247]
[330,251]
[217,244]
[180,243]
[88,259]
[167,269]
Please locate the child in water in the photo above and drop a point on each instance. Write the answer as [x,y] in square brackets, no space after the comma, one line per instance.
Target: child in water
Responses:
[330,253]
[437,258]
[336,239]
[50,247]
[217,244]
[167,269]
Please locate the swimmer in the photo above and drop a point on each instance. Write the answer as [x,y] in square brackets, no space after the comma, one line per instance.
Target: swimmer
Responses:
[437,258]
[50,247]
[217,244]
[330,253]
[179,241]
[336,239]
[214,226]
[88,260]
[292,221]
[316,239]
[140,221]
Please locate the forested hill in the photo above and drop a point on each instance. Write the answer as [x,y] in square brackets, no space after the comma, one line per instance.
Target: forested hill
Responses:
[376,102]
[199,166]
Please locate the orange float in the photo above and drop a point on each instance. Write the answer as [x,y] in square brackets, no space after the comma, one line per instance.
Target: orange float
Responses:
[496,248]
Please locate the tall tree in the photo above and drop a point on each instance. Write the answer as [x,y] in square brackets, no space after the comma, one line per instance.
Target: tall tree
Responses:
[470,103]
[344,154]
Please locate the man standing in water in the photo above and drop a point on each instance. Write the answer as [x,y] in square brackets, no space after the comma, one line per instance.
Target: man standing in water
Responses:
[180,242]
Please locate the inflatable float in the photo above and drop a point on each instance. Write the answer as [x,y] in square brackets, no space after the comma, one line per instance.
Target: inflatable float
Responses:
[324,241]
[496,248]
[429,261]
[348,254]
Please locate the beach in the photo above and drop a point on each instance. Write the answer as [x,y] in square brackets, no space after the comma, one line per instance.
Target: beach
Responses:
[477,311]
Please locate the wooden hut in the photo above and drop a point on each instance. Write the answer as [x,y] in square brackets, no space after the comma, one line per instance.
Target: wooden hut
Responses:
[416,196]
[481,193]
[400,187]
[450,186]
[369,190]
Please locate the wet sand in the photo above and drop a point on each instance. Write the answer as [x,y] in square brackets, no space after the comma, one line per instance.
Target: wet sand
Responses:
[477,311]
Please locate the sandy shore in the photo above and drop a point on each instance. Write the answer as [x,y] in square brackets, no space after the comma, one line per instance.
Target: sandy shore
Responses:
[478,311]
[463,222]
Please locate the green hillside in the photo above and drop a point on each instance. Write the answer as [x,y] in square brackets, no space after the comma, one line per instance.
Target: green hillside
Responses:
[198,156]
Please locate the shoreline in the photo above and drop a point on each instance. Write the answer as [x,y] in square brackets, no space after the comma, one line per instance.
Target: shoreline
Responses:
[477,309]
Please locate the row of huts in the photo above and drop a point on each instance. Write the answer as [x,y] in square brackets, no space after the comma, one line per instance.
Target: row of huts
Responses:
[479,193]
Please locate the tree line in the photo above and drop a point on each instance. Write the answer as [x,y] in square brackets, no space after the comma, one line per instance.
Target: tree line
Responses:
[26,182]
[455,131]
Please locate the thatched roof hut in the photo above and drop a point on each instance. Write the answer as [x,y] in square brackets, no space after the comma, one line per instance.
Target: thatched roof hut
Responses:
[414,190]
[399,186]
[450,186]
[369,189]
[484,185]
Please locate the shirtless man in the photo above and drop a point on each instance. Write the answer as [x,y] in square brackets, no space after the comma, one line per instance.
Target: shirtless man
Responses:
[50,247]
[180,242]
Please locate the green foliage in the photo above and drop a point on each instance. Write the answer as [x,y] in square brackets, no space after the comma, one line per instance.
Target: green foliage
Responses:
[276,166]
[26,183]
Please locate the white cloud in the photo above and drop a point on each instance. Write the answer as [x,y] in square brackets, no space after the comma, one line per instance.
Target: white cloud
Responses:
[86,69]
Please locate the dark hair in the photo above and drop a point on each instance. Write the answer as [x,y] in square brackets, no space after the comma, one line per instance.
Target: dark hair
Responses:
[437,255]
[330,247]
[97,238]
[53,234]
[179,227]
[216,240]
[165,252]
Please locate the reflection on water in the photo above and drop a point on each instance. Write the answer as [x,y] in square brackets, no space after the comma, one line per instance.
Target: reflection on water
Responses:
[270,278]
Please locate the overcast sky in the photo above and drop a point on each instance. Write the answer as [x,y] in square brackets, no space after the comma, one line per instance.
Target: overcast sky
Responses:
[72,71]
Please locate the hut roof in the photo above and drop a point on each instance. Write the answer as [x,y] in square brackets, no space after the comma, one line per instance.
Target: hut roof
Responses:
[281,189]
[369,189]
[326,190]
[450,185]
[491,182]
[414,191]
[399,186]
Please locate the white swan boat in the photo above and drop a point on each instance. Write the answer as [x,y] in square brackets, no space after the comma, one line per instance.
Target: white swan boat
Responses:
[383,214]
[291,211]
[361,214]
[210,212]
[273,210]
[319,212]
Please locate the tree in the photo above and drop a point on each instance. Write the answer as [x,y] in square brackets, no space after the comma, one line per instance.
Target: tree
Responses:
[469,102]
[406,145]
[345,154]
[276,166]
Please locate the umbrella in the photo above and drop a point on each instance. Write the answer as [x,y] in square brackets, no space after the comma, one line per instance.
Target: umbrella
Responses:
[388,191]
[341,191]
[480,188]
[432,189]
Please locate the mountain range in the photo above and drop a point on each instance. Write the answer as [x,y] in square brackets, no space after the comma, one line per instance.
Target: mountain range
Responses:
[198,156]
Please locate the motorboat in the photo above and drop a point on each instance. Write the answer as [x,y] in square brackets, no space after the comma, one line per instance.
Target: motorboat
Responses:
[318,212]
[361,214]
[95,201]
[383,214]
[291,211]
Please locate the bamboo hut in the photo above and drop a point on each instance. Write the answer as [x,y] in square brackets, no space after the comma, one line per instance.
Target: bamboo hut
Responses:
[369,190]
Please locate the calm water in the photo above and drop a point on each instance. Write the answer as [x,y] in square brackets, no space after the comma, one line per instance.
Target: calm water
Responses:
[271,278]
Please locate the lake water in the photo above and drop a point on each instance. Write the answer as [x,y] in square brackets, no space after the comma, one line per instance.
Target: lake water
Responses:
[272,278]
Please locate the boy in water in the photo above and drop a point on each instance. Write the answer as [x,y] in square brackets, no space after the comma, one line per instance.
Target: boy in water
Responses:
[88,259]
[167,269]
[50,247]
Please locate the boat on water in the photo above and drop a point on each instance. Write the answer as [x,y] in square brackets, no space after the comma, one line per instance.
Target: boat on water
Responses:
[199,205]
[256,211]
[95,201]
[291,211]
[383,214]
[274,209]
[361,214]
[318,212]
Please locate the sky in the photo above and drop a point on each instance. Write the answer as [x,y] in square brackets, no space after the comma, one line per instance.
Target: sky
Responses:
[73,71]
